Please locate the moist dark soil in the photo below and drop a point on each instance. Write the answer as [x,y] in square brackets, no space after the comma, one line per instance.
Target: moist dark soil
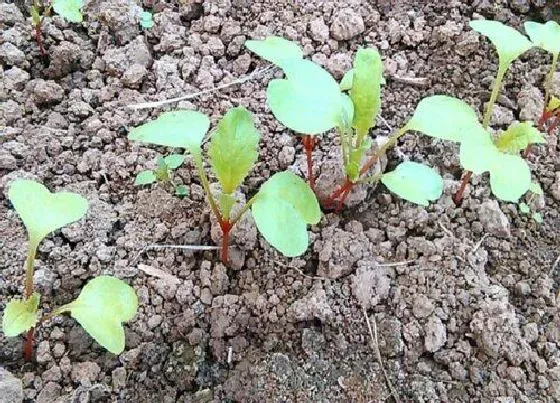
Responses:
[466,298]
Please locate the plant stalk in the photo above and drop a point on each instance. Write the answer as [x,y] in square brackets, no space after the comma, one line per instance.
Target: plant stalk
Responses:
[309,145]
[197,158]
[226,228]
[548,82]
[458,196]
[39,39]
[494,96]
[28,343]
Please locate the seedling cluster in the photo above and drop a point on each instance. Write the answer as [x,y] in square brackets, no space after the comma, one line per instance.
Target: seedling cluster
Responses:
[103,304]
[163,173]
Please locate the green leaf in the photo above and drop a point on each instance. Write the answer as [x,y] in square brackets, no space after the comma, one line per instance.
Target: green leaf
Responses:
[509,43]
[545,36]
[35,15]
[146,20]
[181,190]
[347,115]
[536,188]
[537,217]
[308,101]
[524,208]
[233,148]
[101,308]
[20,316]
[348,78]
[181,128]
[43,212]
[69,9]
[174,161]
[553,104]
[275,49]
[443,117]
[145,178]
[366,89]
[226,202]
[414,182]
[518,136]
[510,177]
[283,207]
[352,169]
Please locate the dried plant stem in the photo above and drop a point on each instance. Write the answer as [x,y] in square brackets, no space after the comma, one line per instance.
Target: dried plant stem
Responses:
[375,347]
[458,196]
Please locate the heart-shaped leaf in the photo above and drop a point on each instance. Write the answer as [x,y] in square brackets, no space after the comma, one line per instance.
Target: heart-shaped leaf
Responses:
[509,43]
[414,182]
[20,316]
[284,206]
[275,49]
[477,152]
[178,129]
[308,101]
[545,36]
[102,306]
[234,148]
[510,177]
[69,9]
[518,136]
[43,212]
[443,117]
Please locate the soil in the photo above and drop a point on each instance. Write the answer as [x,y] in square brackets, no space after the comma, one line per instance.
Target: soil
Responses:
[465,299]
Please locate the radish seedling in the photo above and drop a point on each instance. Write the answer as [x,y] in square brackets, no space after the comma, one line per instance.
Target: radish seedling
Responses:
[103,304]
[310,102]
[284,205]
[68,9]
[163,173]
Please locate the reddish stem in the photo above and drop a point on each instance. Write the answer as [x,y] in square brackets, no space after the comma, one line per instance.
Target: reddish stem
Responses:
[459,195]
[339,196]
[39,39]
[226,228]
[28,345]
[309,145]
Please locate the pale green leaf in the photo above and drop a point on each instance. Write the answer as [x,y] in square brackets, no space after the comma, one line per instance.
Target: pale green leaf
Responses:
[524,208]
[284,206]
[443,117]
[477,152]
[414,182]
[509,43]
[308,101]
[233,148]
[101,308]
[348,78]
[226,202]
[347,115]
[518,136]
[181,128]
[545,36]
[536,188]
[366,89]
[69,9]
[181,190]
[537,217]
[174,161]
[510,177]
[43,212]
[145,178]
[146,20]
[553,104]
[275,49]
[20,316]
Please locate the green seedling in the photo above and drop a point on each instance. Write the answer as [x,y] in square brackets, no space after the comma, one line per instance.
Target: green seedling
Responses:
[163,173]
[103,304]
[283,206]
[146,20]
[547,37]
[534,190]
[310,102]
[68,9]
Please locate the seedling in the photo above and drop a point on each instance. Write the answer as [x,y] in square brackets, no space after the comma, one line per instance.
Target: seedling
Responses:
[163,173]
[310,102]
[146,20]
[103,304]
[283,206]
[68,9]
[535,190]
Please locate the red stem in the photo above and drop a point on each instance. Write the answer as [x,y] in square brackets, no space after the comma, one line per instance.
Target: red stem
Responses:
[459,195]
[28,345]
[309,144]
[339,196]
[226,228]
[39,39]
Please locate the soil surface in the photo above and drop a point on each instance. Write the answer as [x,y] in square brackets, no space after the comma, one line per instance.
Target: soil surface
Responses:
[465,299]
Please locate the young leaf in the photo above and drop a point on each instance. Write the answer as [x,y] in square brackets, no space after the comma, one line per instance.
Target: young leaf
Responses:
[414,182]
[308,101]
[536,188]
[509,43]
[69,9]
[366,89]
[145,178]
[477,152]
[43,212]
[181,190]
[101,308]
[524,208]
[545,36]
[518,136]
[233,148]
[275,49]
[443,117]
[226,202]
[537,217]
[178,129]
[174,161]
[20,316]
[553,104]
[284,206]
[348,78]
[510,177]
[146,20]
